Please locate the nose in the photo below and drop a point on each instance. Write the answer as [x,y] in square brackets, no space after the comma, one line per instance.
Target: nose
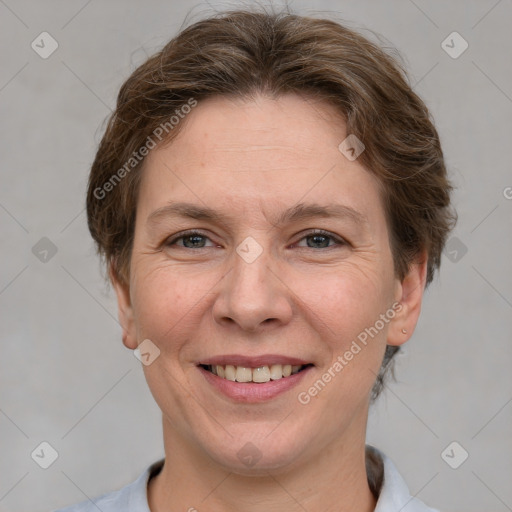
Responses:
[253,295]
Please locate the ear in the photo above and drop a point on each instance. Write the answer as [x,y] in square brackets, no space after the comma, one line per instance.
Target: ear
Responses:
[124,308]
[409,293]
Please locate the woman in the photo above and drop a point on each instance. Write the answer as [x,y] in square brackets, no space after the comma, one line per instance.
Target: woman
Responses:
[271,201]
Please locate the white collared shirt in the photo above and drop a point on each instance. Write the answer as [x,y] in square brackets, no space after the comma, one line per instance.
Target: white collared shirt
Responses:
[393,495]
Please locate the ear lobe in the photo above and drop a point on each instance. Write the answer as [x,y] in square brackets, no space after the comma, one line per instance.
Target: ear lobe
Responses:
[409,295]
[124,308]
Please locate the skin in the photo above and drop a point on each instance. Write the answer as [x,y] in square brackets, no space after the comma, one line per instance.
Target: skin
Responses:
[251,159]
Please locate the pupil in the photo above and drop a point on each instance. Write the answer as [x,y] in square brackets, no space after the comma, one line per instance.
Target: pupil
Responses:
[325,239]
[194,238]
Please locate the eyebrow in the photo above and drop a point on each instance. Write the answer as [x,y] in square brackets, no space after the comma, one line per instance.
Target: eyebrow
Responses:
[295,213]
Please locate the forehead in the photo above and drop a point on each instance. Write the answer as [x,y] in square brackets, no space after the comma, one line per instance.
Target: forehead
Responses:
[257,153]
[220,129]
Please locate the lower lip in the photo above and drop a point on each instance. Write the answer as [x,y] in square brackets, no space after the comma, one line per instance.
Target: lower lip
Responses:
[250,392]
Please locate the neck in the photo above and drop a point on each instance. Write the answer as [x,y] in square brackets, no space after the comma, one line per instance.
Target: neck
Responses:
[335,480]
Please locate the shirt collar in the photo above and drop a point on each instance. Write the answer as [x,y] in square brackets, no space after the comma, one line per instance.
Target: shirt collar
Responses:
[386,483]
[393,493]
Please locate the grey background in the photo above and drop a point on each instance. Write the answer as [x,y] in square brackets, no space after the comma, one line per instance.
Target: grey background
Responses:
[67,379]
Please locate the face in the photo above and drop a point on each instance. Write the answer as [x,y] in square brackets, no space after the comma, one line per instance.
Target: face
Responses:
[288,264]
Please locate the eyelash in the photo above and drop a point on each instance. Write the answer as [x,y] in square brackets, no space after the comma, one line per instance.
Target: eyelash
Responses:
[190,233]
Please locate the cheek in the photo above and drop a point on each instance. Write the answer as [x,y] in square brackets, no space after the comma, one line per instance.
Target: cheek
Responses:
[164,303]
[347,306]
[345,300]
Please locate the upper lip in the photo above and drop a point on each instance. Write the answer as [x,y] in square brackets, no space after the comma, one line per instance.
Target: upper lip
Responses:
[252,362]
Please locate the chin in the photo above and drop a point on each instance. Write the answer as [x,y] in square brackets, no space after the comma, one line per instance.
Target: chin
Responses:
[259,453]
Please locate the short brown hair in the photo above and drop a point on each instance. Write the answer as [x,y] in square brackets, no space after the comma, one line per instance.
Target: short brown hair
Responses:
[244,53]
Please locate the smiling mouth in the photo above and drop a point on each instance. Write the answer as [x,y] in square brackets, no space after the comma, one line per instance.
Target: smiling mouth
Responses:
[259,375]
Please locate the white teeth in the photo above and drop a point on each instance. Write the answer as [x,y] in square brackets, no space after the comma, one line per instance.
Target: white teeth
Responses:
[230,372]
[243,374]
[260,374]
[276,371]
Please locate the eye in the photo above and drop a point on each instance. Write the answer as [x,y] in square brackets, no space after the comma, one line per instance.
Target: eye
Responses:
[191,240]
[320,239]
